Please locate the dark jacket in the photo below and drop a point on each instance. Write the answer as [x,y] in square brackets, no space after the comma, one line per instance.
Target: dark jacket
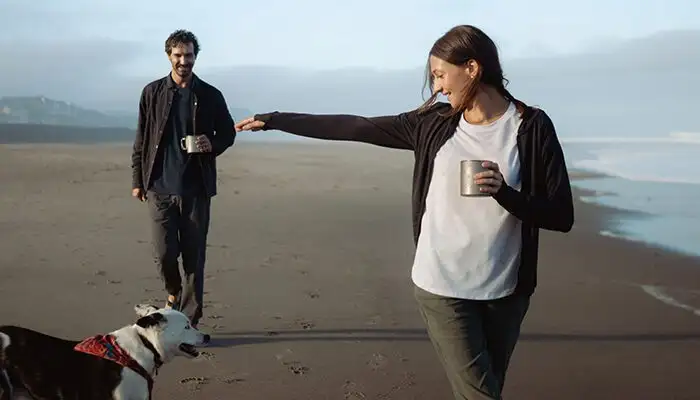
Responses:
[211,117]
[544,202]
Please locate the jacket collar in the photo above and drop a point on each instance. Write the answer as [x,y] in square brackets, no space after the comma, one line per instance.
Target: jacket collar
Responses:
[530,117]
[170,83]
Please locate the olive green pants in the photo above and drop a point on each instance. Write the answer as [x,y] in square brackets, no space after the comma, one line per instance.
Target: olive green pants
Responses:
[474,340]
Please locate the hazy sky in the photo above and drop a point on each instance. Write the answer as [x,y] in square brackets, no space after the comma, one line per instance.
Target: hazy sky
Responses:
[324,33]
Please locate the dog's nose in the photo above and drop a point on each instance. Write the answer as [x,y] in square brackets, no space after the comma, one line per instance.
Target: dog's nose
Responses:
[207,338]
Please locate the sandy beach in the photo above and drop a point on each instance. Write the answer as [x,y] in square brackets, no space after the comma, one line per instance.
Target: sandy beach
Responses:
[308,281]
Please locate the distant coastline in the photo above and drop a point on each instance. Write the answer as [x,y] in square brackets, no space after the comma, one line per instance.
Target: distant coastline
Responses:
[41,133]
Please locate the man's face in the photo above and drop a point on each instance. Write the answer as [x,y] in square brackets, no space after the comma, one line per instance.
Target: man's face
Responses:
[182,59]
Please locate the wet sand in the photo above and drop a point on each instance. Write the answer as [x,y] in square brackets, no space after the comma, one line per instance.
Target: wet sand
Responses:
[308,281]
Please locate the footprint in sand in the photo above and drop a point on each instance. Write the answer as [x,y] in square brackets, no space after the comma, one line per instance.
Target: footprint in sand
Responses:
[207,355]
[217,327]
[231,379]
[100,273]
[267,262]
[305,324]
[113,281]
[215,304]
[151,301]
[196,379]
[352,391]
[378,361]
[313,294]
[214,316]
[408,380]
[195,382]
[213,327]
[296,367]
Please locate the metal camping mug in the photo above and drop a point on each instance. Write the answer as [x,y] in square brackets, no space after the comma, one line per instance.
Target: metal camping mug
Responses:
[467,169]
[189,144]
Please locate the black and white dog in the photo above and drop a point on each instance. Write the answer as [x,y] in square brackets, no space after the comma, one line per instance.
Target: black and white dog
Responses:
[119,365]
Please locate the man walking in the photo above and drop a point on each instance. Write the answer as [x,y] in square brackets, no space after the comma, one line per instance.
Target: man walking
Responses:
[177,185]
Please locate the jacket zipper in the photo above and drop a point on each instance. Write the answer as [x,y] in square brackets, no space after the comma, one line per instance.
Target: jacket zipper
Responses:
[194,115]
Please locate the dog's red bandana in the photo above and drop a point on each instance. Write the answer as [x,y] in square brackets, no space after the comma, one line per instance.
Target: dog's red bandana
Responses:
[105,346]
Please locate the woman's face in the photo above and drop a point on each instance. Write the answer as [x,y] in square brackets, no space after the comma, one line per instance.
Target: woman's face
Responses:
[451,80]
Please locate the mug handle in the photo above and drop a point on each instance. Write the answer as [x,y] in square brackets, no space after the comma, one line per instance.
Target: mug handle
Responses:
[182,144]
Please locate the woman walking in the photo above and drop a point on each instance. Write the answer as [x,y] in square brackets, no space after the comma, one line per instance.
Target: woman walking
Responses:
[475,265]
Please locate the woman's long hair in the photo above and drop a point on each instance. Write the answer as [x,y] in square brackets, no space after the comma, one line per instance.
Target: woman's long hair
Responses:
[460,45]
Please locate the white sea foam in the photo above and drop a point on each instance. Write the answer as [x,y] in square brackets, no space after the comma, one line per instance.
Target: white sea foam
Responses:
[651,170]
[610,234]
[673,159]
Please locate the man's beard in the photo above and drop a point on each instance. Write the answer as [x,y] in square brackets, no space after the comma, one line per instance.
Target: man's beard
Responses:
[183,70]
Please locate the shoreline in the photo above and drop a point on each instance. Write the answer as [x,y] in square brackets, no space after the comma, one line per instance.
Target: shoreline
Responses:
[634,221]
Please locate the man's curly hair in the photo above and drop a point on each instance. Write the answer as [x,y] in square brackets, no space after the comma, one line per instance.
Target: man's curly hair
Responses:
[180,37]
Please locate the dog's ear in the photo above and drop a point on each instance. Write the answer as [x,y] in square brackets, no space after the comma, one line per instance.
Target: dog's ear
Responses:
[144,309]
[151,320]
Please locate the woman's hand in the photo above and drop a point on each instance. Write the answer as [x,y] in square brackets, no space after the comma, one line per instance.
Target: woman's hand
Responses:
[492,180]
[249,124]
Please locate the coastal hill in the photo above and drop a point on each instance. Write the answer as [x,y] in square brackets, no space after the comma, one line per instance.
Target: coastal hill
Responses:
[46,111]
[39,119]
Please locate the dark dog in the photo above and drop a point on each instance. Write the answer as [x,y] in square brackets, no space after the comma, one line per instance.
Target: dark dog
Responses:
[119,365]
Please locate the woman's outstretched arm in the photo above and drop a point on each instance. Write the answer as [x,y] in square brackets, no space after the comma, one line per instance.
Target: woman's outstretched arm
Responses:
[393,131]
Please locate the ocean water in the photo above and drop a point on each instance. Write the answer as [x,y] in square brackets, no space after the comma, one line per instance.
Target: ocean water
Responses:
[657,178]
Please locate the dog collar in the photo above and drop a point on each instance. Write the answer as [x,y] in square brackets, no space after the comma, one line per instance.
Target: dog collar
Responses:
[157,360]
[106,347]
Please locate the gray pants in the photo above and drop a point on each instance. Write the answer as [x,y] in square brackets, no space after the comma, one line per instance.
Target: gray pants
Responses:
[474,340]
[180,225]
